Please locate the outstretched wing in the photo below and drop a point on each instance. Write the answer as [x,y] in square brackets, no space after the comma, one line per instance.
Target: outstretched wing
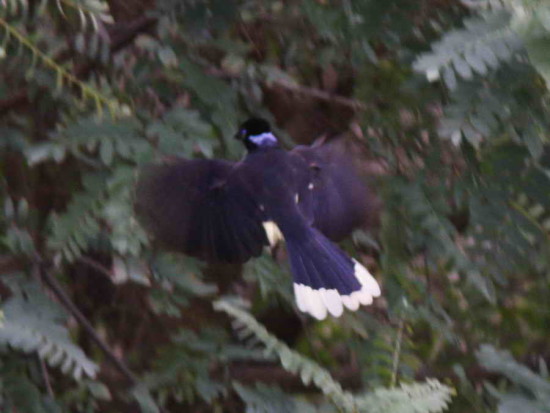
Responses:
[335,198]
[203,208]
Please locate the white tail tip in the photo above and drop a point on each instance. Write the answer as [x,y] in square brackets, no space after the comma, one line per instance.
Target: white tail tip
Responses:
[320,302]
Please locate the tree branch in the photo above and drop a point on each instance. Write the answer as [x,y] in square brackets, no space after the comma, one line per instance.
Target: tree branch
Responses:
[96,266]
[122,34]
[321,95]
[57,290]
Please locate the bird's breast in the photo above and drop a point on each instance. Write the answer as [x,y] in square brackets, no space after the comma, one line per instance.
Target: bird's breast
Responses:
[273,178]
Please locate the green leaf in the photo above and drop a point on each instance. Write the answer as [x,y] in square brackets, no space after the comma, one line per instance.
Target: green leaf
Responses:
[484,284]
[99,390]
[168,57]
[514,404]
[44,152]
[208,389]
[22,394]
[462,67]
[208,88]
[106,151]
[144,399]
[502,362]
[538,50]
[429,397]
[265,399]
[27,330]
[486,41]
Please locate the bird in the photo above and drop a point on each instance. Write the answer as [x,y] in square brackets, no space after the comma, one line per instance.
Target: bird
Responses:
[222,211]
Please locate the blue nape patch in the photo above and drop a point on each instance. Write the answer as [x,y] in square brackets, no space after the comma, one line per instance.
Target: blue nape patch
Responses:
[264,139]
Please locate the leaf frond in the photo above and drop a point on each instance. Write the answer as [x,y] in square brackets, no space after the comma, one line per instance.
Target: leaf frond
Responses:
[63,76]
[429,397]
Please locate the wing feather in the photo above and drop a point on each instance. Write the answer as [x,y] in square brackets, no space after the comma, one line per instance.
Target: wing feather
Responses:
[335,197]
[202,208]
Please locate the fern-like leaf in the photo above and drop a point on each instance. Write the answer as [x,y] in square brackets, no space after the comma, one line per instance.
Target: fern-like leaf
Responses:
[104,208]
[30,331]
[89,11]
[309,371]
[483,44]
[531,392]
[268,274]
[73,231]
[63,76]
[431,396]
[502,362]
[428,397]
[265,399]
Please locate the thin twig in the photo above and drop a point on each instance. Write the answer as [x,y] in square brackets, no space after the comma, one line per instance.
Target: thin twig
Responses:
[428,277]
[96,266]
[45,376]
[57,290]
[397,351]
[321,95]
[122,34]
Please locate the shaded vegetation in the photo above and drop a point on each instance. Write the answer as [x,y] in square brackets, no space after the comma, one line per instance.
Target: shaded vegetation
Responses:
[442,105]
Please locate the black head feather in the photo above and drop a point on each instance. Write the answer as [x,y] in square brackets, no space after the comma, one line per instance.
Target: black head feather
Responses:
[256,133]
[252,127]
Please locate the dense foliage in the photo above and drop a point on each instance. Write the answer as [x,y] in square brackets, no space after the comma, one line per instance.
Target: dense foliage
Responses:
[443,105]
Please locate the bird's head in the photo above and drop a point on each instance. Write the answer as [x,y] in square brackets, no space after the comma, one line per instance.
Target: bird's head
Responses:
[256,133]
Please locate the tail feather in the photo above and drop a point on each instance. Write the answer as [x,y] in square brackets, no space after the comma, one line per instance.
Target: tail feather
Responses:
[316,304]
[325,279]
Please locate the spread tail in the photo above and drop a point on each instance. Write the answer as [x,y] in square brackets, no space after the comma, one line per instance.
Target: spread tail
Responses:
[326,279]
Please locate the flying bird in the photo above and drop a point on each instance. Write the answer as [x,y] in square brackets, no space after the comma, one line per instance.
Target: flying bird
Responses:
[221,211]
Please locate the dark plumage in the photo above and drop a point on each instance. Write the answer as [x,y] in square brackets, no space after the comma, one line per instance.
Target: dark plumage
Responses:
[227,212]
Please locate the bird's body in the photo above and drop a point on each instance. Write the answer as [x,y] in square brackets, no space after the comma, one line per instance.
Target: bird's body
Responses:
[222,211]
[275,177]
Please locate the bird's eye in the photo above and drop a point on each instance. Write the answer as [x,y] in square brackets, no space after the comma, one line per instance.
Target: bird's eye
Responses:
[240,134]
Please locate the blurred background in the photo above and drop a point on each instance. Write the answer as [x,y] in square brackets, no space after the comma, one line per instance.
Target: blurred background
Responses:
[441,104]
